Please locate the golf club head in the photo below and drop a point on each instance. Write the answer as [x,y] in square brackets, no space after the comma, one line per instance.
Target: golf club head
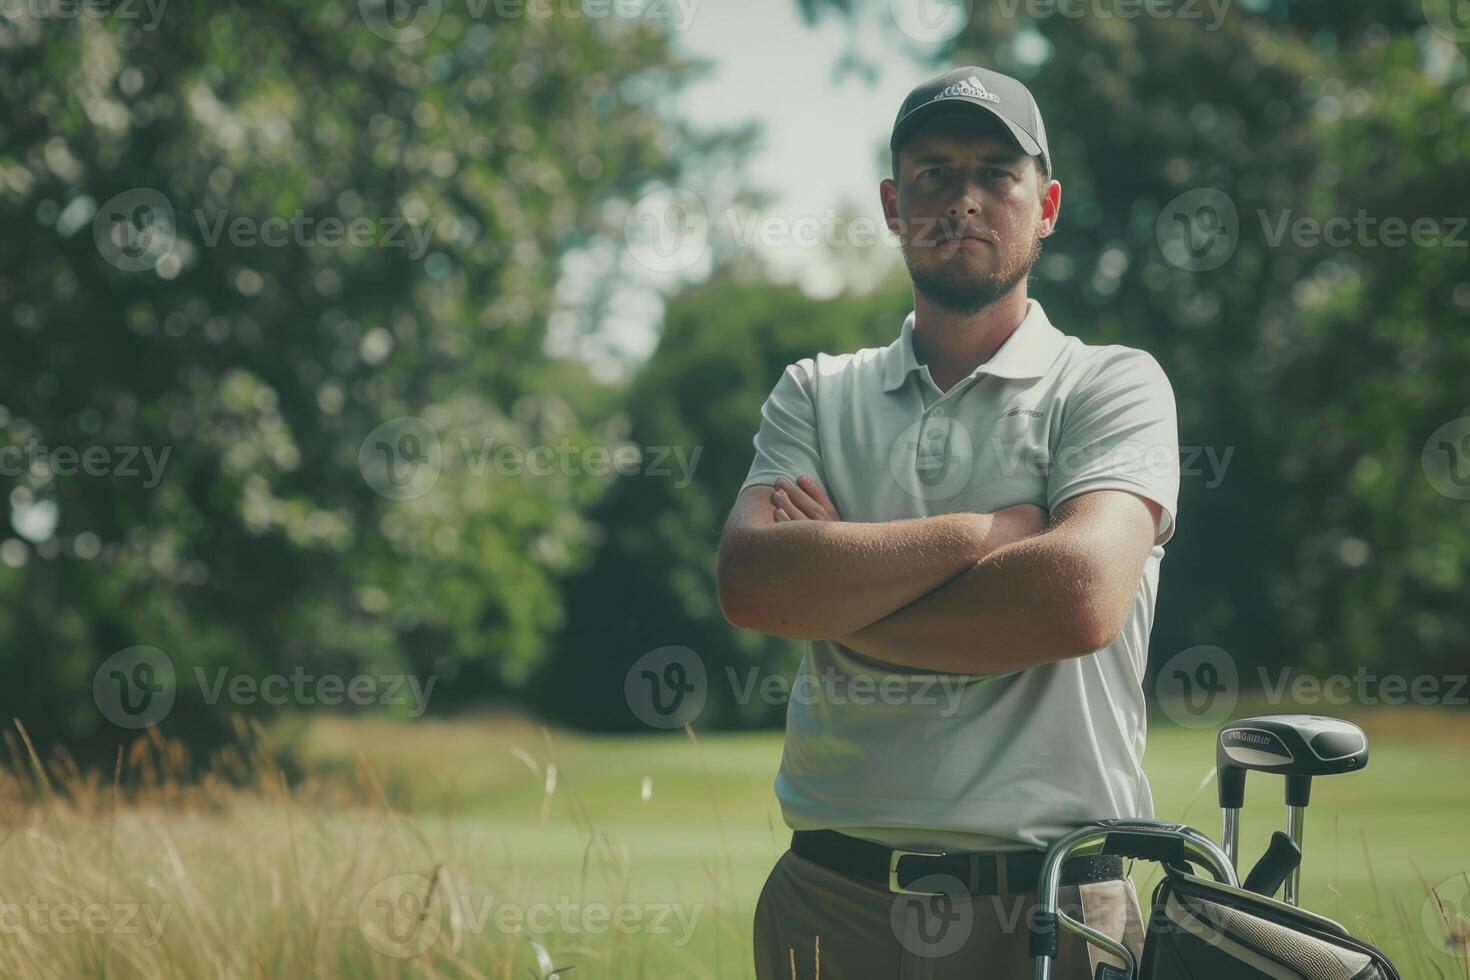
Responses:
[1295,746]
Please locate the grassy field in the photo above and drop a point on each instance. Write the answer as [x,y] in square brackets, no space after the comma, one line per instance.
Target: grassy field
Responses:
[455,848]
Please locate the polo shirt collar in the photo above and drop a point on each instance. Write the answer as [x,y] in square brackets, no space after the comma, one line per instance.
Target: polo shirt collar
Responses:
[1027,352]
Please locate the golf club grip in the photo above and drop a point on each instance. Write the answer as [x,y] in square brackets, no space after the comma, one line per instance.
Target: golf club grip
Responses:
[1231,782]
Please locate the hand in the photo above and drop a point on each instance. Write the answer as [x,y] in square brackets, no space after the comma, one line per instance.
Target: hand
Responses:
[1016,522]
[803,500]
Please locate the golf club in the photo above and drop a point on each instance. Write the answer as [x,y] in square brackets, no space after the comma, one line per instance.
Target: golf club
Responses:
[1298,747]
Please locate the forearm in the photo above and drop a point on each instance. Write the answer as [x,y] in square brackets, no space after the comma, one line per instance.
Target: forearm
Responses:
[815,579]
[1033,601]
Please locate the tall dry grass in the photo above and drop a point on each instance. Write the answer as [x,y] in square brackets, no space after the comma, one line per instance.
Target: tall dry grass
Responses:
[237,872]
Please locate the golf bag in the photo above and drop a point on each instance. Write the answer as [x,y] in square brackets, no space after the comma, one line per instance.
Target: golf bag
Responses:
[1200,929]
[1205,930]
[1216,928]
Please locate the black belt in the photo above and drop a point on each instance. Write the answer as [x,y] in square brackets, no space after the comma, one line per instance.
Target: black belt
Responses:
[977,872]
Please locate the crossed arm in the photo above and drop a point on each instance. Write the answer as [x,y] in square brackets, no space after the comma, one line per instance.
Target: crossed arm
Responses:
[957,593]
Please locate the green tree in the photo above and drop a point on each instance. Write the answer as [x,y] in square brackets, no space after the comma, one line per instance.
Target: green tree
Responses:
[138,313]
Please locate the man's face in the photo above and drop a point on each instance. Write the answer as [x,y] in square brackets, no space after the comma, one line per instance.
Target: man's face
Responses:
[969,208]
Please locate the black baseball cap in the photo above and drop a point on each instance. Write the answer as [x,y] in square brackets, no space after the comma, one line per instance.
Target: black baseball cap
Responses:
[989,91]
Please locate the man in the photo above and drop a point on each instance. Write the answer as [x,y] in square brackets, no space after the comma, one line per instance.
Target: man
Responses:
[967,525]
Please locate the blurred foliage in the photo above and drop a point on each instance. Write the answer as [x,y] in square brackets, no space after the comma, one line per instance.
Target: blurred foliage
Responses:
[261,369]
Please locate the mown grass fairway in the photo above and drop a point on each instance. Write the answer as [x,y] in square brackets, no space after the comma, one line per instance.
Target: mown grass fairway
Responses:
[330,877]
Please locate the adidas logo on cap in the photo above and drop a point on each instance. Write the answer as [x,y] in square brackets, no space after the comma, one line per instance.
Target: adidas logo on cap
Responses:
[969,87]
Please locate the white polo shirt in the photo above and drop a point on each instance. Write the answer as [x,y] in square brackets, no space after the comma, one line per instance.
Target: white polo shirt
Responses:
[962,761]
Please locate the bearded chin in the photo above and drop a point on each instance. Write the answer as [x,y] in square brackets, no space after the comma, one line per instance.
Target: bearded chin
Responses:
[955,290]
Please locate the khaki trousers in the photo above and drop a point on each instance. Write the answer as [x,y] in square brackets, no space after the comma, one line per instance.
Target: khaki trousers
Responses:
[812,923]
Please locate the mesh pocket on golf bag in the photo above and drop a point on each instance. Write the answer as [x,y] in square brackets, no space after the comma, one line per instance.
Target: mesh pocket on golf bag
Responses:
[1205,930]
[1246,945]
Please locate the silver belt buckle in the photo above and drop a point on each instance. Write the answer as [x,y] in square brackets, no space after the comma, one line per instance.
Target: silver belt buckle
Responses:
[899,855]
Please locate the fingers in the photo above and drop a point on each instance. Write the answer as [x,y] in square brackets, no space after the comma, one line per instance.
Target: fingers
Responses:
[804,504]
[786,509]
[814,489]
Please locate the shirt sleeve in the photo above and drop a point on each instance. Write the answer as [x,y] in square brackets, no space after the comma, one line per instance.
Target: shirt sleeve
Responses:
[786,443]
[1120,431]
